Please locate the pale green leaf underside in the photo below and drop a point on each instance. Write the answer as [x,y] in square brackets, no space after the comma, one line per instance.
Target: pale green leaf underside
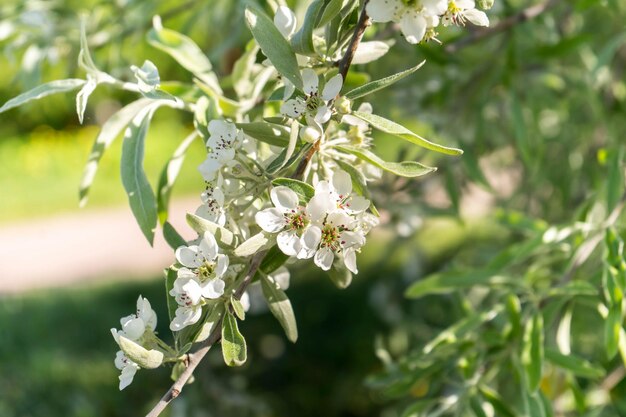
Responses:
[404,169]
[53,87]
[373,86]
[280,306]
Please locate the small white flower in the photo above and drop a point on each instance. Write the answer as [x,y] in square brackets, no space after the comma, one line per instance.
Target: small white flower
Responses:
[459,11]
[128,368]
[333,195]
[212,207]
[225,138]
[313,106]
[135,325]
[287,218]
[417,18]
[204,258]
[285,20]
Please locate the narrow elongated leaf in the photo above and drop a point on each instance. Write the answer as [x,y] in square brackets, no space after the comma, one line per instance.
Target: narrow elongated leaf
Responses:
[172,237]
[147,359]
[238,308]
[612,328]
[272,134]
[274,259]
[234,347]
[253,245]
[402,132]
[340,276]
[280,306]
[373,86]
[83,97]
[110,130]
[302,41]
[171,274]
[222,235]
[305,191]
[140,195]
[168,177]
[533,351]
[441,283]
[185,52]
[330,10]
[53,87]
[578,366]
[274,46]
[499,405]
[279,163]
[242,70]
[409,169]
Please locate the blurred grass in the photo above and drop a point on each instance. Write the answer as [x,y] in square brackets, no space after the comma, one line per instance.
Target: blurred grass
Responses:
[40,171]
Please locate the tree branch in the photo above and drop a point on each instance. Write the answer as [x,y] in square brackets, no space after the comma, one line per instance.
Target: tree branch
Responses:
[362,24]
[504,25]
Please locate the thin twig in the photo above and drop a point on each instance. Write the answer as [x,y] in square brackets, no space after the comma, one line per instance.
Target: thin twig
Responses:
[504,25]
[346,61]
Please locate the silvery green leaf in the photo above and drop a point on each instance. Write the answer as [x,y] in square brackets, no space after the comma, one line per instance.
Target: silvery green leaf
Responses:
[147,76]
[109,131]
[169,174]
[402,132]
[234,347]
[53,87]
[272,134]
[84,58]
[445,282]
[222,235]
[171,236]
[147,359]
[330,11]
[304,191]
[280,306]
[302,40]
[185,52]
[252,245]
[376,85]
[533,351]
[226,106]
[215,314]
[242,70]
[274,46]
[368,52]
[404,169]
[83,97]
[171,274]
[140,195]
[238,308]
[274,259]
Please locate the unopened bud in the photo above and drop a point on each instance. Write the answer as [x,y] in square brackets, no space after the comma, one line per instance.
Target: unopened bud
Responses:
[309,134]
[343,105]
[485,4]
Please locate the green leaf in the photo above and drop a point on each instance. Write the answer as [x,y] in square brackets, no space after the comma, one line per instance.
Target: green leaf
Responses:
[212,318]
[445,282]
[340,276]
[274,46]
[573,289]
[238,308]
[305,191]
[302,40]
[110,130]
[331,9]
[274,259]
[499,405]
[409,169]
[234,347]
[140,195]
[172,237]
[83,97]
[185,52]
[519,130]
[280,306]
[253,245]
[147,359]
[532,351]
[373,86]
[279,163]
[168,177]
[59,86]
[615,183]
[222,235]
[578,366]
[242,70]
[612,327]
[402,132]
[272,134]
[171,274]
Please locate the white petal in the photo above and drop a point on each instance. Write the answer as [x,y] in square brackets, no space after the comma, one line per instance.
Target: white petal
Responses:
[435,7]
[342,183]
[332,87]
[271,220]
[349,259]
[413,26]
[340,218]
[134,328]
[465,4]
[284,198]
[208,246]
[189,256]
[293,108]
[309,242]
[245,301]
[357,204]
[127,375]
[213,289]
[208,169]
[381,10]
[319,206]
[281,277]
[185,316]
[285,21]
[289,89]
[221,265]
[323,114]
[324,258]
[120,360]
[368,52]
[477,17]
[288,242]
[223,129]
[351,239]
[193,290]
[309,81]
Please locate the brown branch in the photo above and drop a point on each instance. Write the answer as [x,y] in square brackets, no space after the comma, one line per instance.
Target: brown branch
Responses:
[503,26]
[362,24]
[216,334]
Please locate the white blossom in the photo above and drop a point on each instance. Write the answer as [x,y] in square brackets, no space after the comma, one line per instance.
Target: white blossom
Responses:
[128,368]
[135,325]
[417,18]
[461,10]
[223,141]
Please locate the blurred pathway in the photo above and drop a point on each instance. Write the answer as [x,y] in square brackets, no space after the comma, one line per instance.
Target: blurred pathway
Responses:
[83,246]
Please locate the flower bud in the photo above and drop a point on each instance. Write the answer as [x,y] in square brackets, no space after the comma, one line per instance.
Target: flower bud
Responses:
[309,134]
[343,105]
[485,4]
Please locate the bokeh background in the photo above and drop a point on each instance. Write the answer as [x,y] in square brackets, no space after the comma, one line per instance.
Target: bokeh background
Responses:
[539,109]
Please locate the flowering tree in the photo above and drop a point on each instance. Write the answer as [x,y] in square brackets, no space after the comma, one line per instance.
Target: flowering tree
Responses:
[289,169]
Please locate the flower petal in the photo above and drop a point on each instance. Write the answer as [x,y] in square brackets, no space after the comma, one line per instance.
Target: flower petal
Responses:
[221,265]
[309,242]
[382,10]
[357,204]
[281,277]
[293,108]
[332,87]
[349,260]
[477,17]
[208,247]
[288,242]
[413,26]
[323,114]
[342,183]
[271,220]
[309,81]
[284,198]
[324,258]
[213,289]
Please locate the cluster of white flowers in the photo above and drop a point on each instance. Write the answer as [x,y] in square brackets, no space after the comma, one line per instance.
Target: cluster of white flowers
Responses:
[418,19]
[136,327]
[330,225]
[199,280]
